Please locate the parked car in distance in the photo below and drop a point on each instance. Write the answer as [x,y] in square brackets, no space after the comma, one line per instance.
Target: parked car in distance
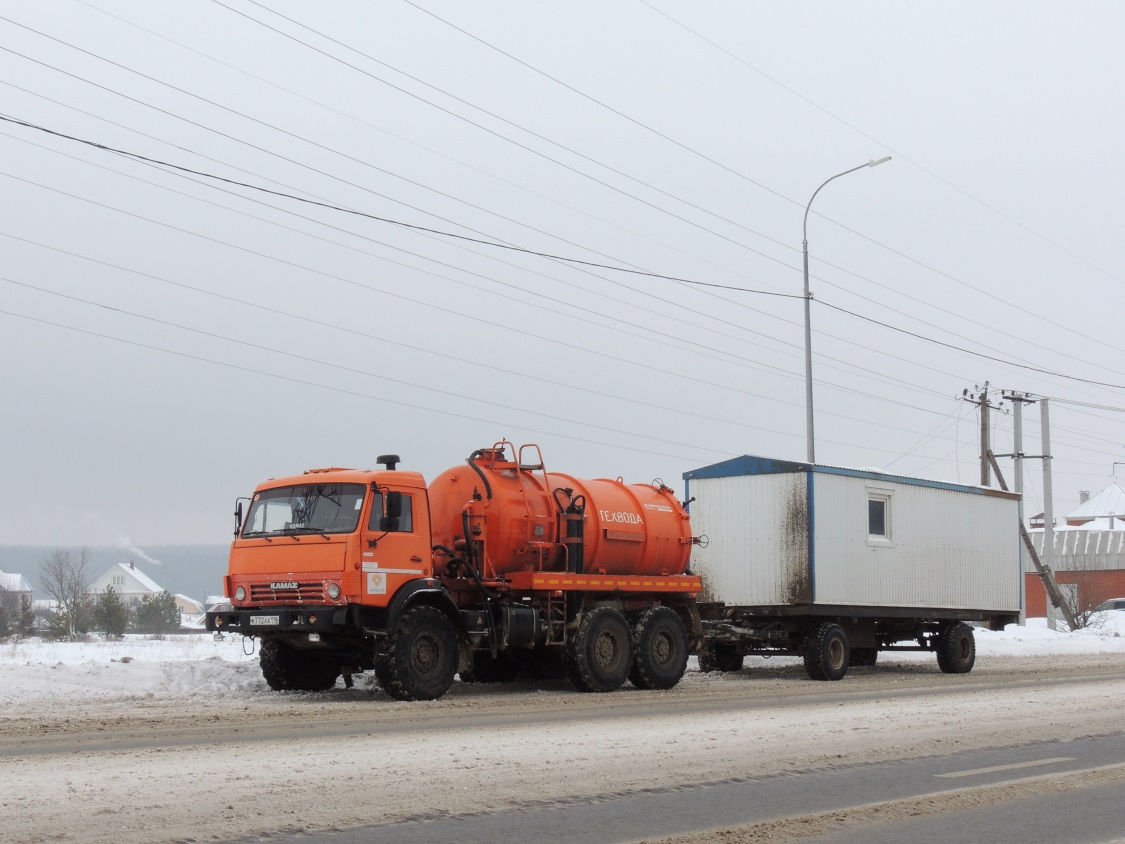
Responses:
[1111,604]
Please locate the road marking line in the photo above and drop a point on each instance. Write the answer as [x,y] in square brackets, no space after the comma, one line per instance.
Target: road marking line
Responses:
[1013,767]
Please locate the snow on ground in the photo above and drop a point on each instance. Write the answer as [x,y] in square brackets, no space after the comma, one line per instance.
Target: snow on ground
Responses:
[190,665]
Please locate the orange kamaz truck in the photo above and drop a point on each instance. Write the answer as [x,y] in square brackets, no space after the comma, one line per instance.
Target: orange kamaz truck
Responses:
[497,567]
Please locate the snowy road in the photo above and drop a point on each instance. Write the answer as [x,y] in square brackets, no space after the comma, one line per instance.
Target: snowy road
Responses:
[195,750]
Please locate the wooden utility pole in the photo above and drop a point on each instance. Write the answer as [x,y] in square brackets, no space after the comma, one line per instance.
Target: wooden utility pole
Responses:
[980,399]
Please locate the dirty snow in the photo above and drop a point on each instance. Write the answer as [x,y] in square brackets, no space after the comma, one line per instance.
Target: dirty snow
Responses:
[176,739]
[194,665]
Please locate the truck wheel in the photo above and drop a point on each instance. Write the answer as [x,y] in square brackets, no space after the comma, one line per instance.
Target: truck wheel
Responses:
[660,649]
[422,659]
[863,657]
[826,652]
[600,654]
[956,649]
[287,669]
[485,669]
[720,656]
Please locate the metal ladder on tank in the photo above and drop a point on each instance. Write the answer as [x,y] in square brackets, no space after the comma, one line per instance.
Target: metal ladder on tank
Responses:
[546,498]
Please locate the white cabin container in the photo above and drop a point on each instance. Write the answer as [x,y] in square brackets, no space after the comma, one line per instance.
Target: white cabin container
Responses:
[787,535]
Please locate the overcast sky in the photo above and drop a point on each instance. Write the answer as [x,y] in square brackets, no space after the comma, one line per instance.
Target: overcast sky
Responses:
[168,341]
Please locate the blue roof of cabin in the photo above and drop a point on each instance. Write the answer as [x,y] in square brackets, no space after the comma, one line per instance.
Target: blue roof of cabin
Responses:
[748,464]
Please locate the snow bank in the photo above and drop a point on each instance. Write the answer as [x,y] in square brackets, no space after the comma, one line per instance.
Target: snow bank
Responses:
[187,666]
[136,666]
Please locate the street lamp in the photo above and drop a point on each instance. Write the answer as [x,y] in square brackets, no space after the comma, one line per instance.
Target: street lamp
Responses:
[808,298]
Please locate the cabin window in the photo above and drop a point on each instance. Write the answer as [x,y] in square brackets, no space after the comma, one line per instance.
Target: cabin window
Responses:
[878,517]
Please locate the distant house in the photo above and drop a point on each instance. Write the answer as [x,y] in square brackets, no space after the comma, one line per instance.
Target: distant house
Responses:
[1107,506]
[187,606]
[1089,551]
[129,582]
[15,583]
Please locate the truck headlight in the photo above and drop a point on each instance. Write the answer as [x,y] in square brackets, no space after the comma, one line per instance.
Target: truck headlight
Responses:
[240,593]
[333,591]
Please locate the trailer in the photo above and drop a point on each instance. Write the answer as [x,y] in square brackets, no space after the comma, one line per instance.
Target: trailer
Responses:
[835,565]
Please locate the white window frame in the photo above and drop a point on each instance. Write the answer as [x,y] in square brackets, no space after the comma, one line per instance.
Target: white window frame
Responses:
[885,496]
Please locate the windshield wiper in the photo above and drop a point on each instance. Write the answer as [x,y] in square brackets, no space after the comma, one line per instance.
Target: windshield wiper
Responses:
[306,529]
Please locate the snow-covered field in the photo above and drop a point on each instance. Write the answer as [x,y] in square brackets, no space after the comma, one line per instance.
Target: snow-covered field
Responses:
[185,666]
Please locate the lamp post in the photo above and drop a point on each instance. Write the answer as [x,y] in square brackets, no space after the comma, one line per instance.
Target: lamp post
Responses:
[808,298]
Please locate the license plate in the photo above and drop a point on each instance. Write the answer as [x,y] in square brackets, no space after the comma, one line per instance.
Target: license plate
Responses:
[265,620]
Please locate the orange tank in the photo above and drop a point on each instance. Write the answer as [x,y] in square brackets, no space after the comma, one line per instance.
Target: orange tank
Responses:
[517,512]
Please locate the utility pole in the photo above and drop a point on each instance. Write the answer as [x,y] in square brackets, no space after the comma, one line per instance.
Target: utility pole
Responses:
[980,399]
[1043,566]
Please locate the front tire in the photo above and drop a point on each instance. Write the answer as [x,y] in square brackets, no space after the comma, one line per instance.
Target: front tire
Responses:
[826,652]
[422,659]
[956,649]
[600,654]
[287,669]
[660,649]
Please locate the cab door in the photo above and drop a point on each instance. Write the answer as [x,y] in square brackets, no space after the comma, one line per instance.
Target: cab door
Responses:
[395,543]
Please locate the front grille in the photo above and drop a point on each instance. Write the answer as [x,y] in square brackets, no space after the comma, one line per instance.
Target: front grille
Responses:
[306,592]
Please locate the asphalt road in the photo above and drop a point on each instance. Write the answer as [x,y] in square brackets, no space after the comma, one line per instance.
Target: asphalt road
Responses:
[1037,792]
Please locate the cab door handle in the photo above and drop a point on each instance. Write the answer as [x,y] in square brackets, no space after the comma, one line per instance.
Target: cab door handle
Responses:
[415,559]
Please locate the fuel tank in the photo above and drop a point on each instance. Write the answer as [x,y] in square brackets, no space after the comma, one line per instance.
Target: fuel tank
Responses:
[518,514]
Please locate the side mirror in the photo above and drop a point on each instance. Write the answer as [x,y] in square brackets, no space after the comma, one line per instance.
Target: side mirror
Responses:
[394,505]
[389,522]
[237,517]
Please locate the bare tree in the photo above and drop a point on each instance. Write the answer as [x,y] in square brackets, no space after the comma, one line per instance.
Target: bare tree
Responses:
[1090,588]
[65,576]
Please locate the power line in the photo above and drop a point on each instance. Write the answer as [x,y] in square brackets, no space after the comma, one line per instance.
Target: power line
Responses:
[321,386]
[883,144]
[381,219]
[737,173]
[427,229]
[694,349]
[967,351]
[701,285]
[348,369]
[537,336]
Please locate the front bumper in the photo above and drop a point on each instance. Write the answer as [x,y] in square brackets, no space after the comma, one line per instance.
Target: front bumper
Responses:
[279,620]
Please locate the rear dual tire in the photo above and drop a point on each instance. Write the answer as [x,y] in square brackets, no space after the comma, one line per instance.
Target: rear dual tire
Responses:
[660,649]
[599,656]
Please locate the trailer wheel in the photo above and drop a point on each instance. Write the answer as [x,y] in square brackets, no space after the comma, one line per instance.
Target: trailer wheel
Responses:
[956,649]
[422,659]
[600,654]
[863,657]
[660,649]
[720,656]
[826,652]
[287,669]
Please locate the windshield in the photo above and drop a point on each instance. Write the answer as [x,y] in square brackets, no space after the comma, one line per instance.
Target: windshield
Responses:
[308,508]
